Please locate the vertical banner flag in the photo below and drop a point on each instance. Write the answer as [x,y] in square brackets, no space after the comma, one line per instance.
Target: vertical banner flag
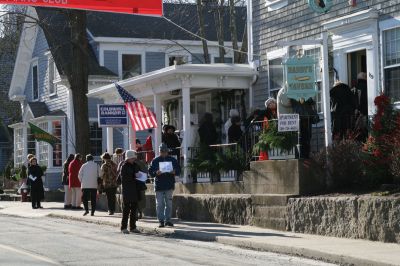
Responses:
[41,135]
[141,117]
[140,7]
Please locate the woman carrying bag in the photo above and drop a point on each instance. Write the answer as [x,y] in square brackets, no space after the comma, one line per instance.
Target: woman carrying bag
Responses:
[35,181]
[108,175]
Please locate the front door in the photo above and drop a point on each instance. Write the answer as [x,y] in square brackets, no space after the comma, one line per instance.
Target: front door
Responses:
[356,63]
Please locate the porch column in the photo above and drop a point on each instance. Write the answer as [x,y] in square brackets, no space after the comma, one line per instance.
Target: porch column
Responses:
[250,96]
[326,98]
[186,133]
[132,137]
[157,130]
[110,140]
[25,143]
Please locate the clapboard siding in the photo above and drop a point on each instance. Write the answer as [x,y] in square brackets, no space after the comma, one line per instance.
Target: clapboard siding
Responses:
[111,60]
[53,102]
[154,61]
[297,21]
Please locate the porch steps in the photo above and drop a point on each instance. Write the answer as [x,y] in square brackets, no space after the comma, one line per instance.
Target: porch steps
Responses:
[270,211]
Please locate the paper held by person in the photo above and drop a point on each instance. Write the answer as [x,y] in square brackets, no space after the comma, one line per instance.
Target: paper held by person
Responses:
[166,167]
[141,176]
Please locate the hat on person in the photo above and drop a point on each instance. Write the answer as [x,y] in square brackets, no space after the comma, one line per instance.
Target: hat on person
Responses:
[106,156]
[168,127]
[32,159]
[130,154]
[163,147]
[233,112]
[268,101]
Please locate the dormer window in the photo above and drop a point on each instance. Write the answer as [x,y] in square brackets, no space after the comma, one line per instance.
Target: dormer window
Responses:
[273,5]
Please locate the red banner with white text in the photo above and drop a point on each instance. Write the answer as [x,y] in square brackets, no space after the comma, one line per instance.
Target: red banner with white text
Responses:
[141,7]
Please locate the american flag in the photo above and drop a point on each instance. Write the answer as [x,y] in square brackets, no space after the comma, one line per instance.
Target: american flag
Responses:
[141,117]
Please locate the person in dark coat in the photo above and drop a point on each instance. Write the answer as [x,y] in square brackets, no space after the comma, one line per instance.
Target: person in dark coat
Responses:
[308,116]
[207,131]
[360,96]
[65,183]
[235,131]
[342,109]
[130,195]
[35,181]
[171,139]
[164,184]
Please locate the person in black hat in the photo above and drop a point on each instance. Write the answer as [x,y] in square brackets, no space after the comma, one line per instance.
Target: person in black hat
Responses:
[172,141]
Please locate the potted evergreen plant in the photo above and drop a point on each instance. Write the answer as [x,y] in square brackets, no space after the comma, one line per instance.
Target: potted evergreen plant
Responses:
[270,139]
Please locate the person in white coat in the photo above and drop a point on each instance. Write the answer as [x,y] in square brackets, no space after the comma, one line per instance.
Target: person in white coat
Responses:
[228,123]
[88,175]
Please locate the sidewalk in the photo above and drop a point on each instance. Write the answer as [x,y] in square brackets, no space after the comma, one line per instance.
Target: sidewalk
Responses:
[337,250]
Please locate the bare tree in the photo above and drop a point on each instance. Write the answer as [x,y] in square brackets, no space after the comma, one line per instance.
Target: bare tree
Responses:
[200,17]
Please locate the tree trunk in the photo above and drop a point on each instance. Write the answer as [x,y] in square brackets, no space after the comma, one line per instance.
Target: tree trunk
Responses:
[78,79]
[219,23]
[243,49]
[200,17]
[233,29]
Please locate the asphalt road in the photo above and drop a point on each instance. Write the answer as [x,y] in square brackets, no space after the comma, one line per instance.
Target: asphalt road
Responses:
[49,241]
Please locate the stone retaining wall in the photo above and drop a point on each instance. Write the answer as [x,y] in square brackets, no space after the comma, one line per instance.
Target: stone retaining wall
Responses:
[228,209]
[372,218]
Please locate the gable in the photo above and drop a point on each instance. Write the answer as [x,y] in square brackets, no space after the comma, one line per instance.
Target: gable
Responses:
[24,56]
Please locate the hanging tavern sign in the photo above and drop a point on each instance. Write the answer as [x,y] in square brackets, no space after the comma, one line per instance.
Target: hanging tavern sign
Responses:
[300,77]
[141,7]
[320,6]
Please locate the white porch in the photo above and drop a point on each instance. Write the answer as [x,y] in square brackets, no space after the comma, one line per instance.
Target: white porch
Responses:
[184,83]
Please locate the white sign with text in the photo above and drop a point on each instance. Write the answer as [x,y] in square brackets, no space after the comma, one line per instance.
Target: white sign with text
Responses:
[288,122]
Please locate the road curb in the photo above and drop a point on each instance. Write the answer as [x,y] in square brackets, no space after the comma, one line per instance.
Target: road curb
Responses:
[240,243]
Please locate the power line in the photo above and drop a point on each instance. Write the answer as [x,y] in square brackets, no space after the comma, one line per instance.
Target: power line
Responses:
[204,39]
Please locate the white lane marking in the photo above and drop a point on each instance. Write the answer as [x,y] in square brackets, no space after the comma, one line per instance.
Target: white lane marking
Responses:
[38,257]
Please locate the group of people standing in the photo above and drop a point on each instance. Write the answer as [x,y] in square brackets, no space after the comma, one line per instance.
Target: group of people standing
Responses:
[82,181]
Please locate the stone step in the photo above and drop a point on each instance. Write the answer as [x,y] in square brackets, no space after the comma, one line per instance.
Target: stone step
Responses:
[270,212]
[271,223]
[270,199]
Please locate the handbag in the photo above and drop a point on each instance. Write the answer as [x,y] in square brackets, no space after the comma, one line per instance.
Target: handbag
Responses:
[100,186]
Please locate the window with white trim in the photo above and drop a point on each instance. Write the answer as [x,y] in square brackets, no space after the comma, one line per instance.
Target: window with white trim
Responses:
[131,65]
[52,76]
[96,139]
[57,148]
[316,54]
[275,72]
[19,146]
[35,81]
[43,152]
[391,60]
[31,142]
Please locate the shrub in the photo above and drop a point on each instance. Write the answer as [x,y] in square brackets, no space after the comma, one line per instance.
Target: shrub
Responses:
[343,164]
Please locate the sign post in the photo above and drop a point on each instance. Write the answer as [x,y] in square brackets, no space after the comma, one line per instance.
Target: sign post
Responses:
[112,115]
[288,122]
[300,77]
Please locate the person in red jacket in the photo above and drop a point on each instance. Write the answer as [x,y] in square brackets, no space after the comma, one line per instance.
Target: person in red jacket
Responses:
[74,183]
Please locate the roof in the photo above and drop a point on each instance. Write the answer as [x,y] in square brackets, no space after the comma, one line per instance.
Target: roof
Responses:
[200,76]
[134,26]
[58,36]
[40,109]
